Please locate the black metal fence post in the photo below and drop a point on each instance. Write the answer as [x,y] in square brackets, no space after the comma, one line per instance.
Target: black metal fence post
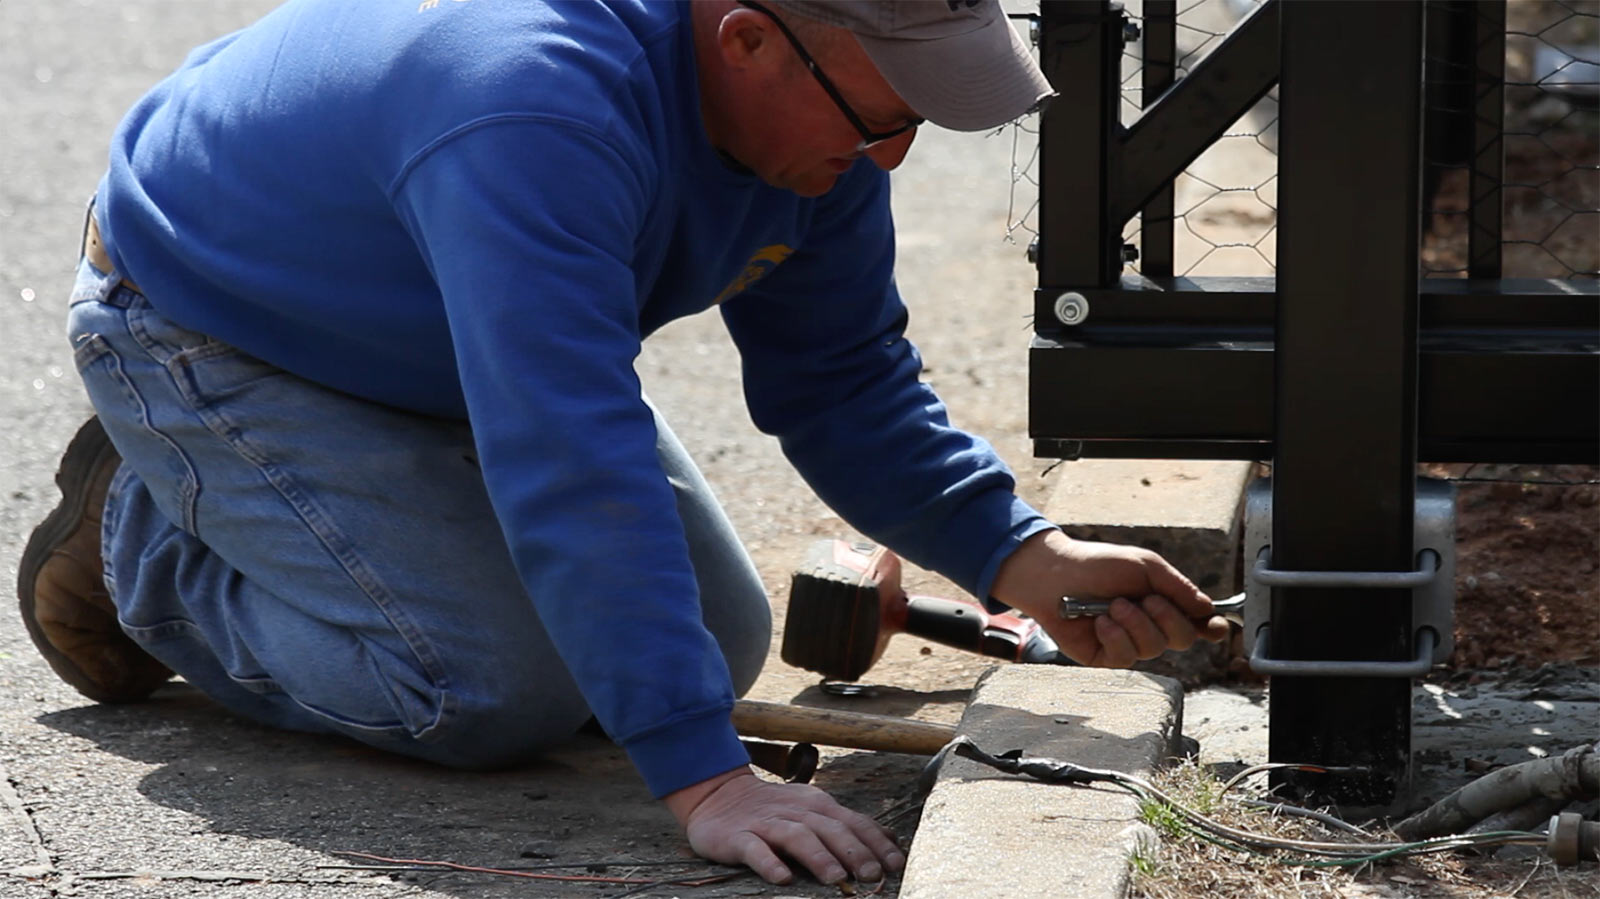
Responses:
[1346,371]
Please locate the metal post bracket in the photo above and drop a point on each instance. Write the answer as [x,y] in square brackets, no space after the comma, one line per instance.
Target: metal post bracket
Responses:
[1260,663]
[1432,586]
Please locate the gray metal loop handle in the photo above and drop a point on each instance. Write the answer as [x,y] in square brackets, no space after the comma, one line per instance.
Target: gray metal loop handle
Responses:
[1417,667]
[1271,577]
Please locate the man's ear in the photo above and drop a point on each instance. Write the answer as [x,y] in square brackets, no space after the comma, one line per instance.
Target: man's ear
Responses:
[746,39]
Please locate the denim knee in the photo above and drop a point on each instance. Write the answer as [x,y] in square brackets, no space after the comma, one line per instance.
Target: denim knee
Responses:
[746,649]
[502,731]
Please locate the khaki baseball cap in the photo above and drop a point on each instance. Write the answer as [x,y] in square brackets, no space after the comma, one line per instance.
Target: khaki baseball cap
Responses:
[958,63]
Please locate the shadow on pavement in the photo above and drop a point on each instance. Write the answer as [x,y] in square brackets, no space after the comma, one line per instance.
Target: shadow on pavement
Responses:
[877,699]
[581,803]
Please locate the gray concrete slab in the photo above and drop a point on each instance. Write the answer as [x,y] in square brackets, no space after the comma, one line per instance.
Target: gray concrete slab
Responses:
[990,834]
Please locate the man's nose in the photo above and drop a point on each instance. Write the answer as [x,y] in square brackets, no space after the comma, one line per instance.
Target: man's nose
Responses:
[888,154]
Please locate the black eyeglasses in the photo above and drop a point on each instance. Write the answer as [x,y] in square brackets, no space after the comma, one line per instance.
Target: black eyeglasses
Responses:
[869,137]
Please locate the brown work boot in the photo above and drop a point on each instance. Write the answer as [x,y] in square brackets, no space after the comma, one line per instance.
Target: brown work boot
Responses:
[62,585]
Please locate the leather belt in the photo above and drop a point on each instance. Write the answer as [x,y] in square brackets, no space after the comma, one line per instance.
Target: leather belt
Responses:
[94,249]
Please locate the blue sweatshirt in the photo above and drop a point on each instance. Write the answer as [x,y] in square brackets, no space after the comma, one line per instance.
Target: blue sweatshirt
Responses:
[478,209]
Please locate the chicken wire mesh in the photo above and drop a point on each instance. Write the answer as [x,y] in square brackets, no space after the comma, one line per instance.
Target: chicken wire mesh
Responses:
[1225,203]
[1550,187]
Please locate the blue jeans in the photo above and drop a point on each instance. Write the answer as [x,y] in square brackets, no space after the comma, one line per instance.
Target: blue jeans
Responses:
[323,563]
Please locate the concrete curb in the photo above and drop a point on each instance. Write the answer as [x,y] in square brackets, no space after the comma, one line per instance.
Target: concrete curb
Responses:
[984,833]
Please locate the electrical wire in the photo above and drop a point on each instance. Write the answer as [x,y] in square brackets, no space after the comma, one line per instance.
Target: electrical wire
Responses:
[1310,852]
[1296,811]
[1297,766]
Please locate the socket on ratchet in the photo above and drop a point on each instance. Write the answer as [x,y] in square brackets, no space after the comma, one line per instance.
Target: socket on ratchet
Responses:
[1231,608]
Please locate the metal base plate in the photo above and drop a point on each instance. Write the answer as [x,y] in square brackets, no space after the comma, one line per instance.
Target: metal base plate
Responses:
[1433,605]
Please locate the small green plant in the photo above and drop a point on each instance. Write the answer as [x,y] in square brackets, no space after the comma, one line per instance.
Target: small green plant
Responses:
[1143,861]
[1162,817]
[1195,787]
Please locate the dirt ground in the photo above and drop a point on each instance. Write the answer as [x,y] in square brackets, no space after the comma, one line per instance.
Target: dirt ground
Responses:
[1528,581]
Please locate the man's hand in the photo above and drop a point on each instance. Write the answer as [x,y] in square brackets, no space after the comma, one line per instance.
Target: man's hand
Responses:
[1155,608]
[737,818]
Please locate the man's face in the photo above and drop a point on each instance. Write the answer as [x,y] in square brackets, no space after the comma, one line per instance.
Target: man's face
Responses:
[802,141]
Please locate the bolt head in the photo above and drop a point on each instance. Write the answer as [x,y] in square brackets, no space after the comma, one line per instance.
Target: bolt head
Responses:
[1071,309]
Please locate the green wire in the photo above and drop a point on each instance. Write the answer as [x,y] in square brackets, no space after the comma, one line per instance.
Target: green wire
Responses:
[1488,838]
[1193,823]
[1420,847]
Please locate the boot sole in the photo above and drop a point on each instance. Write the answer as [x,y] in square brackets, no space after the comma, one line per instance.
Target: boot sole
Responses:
[85,454]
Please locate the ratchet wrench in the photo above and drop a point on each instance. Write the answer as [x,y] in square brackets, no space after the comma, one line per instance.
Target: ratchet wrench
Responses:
[1231,608]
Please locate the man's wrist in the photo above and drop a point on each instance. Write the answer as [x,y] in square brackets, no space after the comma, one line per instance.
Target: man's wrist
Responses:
[1033,563]
[682,803]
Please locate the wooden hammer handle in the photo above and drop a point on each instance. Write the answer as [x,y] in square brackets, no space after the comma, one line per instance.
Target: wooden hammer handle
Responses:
[829,727]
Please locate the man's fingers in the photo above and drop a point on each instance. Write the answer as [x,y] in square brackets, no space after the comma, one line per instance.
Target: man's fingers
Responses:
[1148,640]
[801,840]
[880,840]
[1116,647]
[1217,629]
[866,847]
[1178,628]
[1079,638]
[745,820]
[1170,582]
[754,852]
[847,846]
[1132,631]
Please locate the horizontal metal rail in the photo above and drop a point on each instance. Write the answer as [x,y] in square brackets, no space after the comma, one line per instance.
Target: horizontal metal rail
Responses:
[1511,304]
[1183,368]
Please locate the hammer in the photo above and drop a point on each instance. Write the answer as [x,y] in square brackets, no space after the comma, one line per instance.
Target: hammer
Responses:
[846,602]
[830,727]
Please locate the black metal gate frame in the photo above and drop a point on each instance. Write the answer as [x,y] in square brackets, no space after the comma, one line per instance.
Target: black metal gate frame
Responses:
[1182,367]
[1345,370]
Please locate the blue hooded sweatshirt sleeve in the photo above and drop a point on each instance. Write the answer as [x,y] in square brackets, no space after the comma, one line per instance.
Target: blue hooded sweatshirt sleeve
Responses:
[828,370]
[593,523]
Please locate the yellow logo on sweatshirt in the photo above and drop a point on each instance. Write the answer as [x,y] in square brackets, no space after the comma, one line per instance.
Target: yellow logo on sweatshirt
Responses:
[765,260]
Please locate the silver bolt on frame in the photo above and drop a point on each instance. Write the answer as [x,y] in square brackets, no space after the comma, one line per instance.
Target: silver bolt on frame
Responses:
[1072,308]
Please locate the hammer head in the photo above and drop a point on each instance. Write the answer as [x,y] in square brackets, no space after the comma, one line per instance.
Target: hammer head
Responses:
[845,603]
